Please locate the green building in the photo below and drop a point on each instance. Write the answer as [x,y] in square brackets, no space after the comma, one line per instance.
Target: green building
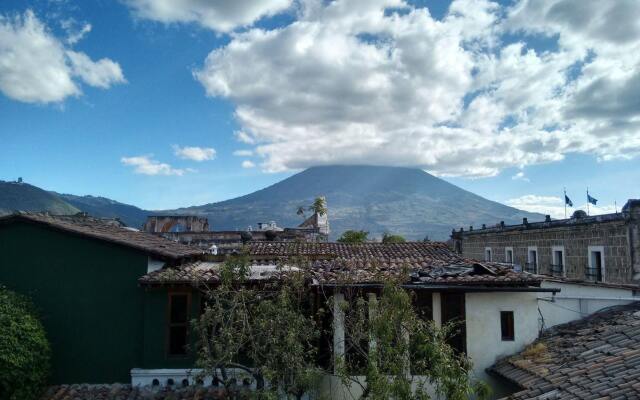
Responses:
[82,274]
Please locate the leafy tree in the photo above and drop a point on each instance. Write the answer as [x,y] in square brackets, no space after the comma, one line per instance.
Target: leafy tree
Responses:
[24,349]
[268,329]
[319,206]
[352,236]
[264,330]
[400,354]
[300,211]
[389,238]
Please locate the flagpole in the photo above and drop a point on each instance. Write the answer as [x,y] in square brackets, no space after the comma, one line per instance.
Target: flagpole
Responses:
[565,202]
[587,200]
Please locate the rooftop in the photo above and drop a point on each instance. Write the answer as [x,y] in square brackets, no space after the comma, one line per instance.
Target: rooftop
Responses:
[107,230]
[594,358]
[422,263]
[549,223]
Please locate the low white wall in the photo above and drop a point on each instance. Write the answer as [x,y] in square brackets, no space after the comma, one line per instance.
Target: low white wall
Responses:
[484,336]
[576,301]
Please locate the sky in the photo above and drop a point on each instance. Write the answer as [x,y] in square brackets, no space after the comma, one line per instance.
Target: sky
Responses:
[164,103]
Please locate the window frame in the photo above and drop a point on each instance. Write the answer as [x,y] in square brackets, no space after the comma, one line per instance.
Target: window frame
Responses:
[537,263]
[489,251]
[511,326]
[590,251]
[506,251]
[555,249]
[171,324]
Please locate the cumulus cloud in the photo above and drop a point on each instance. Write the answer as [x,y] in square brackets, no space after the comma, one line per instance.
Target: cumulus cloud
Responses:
[195,153]
[37,67]
[383,82]
[248,164]
[222,16]
[554,206]
[145,165]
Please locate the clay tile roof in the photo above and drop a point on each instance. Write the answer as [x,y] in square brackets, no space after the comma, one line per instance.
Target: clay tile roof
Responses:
[429,263]
[594,358]
[108,230]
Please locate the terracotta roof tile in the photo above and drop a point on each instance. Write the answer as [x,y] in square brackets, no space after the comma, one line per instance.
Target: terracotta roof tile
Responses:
[108,231]
[425,263]
[594,358]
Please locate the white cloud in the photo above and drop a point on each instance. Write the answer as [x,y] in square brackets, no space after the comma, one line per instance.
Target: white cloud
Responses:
[248,164]
[75,34]
[37,67]
[520,177]
[359,83]
[102,73]
[243,153]
[222,16]
[145,165]
[554,206]
[195,153]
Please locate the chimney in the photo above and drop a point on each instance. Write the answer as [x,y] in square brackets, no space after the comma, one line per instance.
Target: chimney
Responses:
[470,228]
[501,224]
[547,218]
[525,221]
[484,226]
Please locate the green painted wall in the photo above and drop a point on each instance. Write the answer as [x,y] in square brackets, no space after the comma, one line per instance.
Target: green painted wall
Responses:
[88,297]
[156,317]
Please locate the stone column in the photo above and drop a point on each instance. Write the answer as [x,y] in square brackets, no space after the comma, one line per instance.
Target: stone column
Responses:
[436,305]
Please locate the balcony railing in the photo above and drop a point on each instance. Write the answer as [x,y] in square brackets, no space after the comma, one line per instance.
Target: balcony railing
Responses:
[531,268]
[593,274]
[557,269]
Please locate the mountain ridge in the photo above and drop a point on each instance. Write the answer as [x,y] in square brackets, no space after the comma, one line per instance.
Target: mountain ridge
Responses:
[398,200]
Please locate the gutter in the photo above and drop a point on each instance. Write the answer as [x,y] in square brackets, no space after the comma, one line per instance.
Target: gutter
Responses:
[482,289]
[554,298]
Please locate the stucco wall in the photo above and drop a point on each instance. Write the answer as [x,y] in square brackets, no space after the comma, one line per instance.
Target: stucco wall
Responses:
[484,337]
[576,239]
[565,308]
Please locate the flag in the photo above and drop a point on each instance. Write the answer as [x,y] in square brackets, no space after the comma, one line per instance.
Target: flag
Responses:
[591,200]
[568,201]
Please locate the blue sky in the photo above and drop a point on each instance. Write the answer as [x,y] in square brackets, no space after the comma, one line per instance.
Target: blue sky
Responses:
[298,84]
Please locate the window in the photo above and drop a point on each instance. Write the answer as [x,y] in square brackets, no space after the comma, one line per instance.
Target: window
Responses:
[595,270]
[508,255]
[487,254]
[557,261]
[532,260]
[506,326]
[179,304]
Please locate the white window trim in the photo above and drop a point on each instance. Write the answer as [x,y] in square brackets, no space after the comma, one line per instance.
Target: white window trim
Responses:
[591,249]
[529,250]
[564,258]
[506,249]
[490,254]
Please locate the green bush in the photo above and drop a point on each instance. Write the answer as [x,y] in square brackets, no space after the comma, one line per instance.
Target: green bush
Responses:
[24,349]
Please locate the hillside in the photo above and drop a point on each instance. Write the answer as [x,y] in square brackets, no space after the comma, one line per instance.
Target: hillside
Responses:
[406,201]
[24,197]
[107,208]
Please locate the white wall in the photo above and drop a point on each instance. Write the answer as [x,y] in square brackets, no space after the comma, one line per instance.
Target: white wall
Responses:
[484,336]
[576,301]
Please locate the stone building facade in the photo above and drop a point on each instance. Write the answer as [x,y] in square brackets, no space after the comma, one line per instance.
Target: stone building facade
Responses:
[603,248]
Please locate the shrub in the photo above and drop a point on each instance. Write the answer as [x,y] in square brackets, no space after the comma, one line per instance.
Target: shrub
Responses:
[24,349]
